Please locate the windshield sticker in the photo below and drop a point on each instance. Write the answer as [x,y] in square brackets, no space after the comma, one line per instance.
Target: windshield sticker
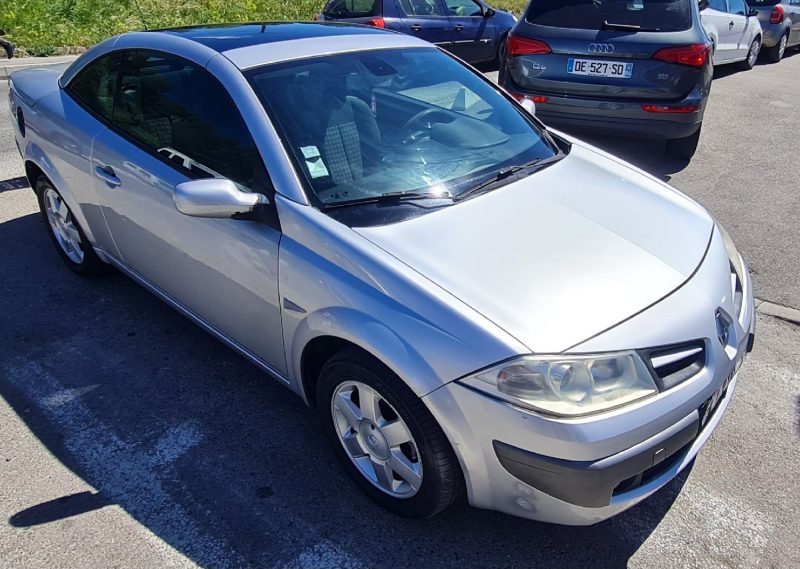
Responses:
[310,152]
[316,168]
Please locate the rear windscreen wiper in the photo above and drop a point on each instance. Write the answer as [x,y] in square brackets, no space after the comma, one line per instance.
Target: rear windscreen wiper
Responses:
[626,27]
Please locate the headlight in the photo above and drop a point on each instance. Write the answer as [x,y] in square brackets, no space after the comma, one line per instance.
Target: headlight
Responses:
[733,253]
[568,386]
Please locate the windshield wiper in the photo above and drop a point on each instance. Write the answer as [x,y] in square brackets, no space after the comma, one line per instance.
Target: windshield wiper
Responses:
[626,27]
[510,174]
[391,198]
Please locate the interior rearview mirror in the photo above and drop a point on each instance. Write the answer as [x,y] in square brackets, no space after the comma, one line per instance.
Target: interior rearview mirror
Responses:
[216,198]
[529,106]
[702,4]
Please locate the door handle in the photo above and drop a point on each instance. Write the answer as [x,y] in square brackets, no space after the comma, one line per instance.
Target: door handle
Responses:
[459,28]
[731,24]
[416,27]
[106,173]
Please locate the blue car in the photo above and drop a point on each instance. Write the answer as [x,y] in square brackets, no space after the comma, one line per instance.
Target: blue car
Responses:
[472,30]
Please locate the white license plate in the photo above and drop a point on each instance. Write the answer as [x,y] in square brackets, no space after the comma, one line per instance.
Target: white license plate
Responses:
[593,68]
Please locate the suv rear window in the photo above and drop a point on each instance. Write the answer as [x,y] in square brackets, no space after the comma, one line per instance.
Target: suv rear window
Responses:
[353,8]
[641,15]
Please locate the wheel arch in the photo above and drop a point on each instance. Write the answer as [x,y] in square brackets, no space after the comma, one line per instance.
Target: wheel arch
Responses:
[325,333]
[38,164]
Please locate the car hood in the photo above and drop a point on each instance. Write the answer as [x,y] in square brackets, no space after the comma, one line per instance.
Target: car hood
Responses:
[562,255]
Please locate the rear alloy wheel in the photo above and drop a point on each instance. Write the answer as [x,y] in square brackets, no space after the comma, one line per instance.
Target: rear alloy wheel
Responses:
[684,148]
[775,53]
[385,437]
[69,239]
[752,55]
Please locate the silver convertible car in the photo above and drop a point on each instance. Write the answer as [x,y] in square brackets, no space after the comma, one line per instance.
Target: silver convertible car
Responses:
[469,299]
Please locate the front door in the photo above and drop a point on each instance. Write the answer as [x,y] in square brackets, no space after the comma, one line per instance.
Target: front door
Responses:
[740,32]
[427,20]
[473,34]
[172,121]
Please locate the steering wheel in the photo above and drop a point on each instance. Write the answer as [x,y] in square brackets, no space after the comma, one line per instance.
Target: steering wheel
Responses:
[421,123]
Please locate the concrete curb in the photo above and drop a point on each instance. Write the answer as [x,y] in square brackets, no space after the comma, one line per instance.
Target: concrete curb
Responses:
[9,67]
[791,315]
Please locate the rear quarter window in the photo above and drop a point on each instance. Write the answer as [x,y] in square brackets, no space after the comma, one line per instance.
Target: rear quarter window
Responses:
[353,8]
[648,15]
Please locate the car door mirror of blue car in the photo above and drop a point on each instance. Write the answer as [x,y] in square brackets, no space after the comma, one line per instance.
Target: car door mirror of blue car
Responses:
[488,12]
[217,198]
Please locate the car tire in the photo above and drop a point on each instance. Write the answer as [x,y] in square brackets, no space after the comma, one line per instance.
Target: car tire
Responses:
[432,478]
[684,148]
[65,232]
[775,53]
[752,55]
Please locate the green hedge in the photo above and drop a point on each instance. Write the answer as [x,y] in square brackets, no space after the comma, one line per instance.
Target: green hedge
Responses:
[44,27]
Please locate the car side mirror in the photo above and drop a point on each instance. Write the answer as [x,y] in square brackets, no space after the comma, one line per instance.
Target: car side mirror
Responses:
[529,106]
[216,198]
[753,12]
[702,4]
[489,13]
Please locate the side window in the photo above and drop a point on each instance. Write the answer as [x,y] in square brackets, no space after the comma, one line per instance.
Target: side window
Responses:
[719,5]
[736,7]
[96,84]
[181,112]
[463,8]
[421,7]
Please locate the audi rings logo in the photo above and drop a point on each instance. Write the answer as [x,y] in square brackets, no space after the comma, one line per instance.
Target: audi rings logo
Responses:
[601,48]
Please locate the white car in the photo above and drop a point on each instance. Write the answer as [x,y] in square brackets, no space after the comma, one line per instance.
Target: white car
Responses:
[734,30]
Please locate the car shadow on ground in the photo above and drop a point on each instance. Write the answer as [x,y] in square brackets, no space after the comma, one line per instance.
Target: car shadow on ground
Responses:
[213,457]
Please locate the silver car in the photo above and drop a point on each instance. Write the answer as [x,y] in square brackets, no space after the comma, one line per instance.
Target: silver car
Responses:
[471,301]
[780,20]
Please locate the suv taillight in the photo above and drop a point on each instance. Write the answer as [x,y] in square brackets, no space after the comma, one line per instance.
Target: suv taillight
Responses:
[777,15]
[377,23]
[525,46]
[692,55]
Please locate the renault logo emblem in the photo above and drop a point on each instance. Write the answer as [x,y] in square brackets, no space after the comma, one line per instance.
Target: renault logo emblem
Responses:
[601,48]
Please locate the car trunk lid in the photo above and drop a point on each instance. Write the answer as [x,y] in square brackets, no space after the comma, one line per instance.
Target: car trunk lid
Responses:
[630,34]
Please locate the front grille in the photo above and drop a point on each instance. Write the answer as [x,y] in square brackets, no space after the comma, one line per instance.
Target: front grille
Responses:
[677,363]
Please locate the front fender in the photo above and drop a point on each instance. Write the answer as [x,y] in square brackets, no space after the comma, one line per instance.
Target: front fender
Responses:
[369,334]
[34,154]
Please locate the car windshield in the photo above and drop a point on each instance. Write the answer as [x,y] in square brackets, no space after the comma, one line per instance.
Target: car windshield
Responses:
[644,15]
[407,122]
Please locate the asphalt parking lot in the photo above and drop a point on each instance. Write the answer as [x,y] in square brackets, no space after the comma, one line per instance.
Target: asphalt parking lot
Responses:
[130,438]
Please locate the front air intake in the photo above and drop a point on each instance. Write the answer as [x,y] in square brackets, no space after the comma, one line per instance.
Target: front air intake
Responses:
[675,364]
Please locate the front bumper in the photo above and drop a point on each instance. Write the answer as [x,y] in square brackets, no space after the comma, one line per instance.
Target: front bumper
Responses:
[585,470]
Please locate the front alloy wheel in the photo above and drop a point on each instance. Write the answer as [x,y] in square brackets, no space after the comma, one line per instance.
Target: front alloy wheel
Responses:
[377,439]
[67,235]
[385,437]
